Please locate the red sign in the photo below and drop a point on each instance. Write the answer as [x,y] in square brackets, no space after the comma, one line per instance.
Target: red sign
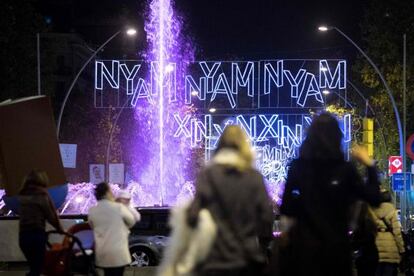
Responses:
[395,165]
[409,147]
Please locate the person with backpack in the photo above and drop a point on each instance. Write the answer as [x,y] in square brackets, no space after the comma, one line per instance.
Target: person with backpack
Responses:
[320,189]
[389,240]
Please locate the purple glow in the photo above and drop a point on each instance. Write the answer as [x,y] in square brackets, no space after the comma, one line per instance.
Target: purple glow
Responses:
[275,191]
[2,204]
[161,160]
[81,197]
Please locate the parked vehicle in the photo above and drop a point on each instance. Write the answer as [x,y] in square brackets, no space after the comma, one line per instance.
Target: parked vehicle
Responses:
[149,237]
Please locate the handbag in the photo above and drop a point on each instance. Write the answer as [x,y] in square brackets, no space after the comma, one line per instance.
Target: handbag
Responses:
[188,246]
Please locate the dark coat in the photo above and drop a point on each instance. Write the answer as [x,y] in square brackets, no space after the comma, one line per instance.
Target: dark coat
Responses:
[240,206]
[36,207]
[318,196]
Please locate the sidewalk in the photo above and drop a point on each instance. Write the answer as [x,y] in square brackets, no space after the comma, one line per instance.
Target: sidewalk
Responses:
[21,271]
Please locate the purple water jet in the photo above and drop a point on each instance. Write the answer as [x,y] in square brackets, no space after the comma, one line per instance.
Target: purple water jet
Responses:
[162,164]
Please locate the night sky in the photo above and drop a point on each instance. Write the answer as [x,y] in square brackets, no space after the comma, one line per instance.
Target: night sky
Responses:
[224,29]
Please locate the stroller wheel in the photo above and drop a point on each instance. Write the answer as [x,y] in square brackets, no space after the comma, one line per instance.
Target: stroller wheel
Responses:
[142,256]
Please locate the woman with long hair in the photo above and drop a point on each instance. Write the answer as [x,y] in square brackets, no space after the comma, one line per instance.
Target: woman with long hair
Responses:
[35,209]
[321,187]
[234,193]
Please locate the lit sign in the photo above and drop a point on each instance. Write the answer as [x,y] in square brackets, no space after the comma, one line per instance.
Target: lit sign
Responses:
[269,99]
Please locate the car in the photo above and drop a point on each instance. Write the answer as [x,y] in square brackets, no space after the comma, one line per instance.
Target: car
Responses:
[149,237]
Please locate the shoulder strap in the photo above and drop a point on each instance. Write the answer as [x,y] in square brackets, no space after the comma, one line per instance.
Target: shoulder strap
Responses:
[389,227]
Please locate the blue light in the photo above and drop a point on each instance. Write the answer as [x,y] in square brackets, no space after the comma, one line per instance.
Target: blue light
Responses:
[245,79]
[329,80]
[269,99]
[229,80]
[276,144]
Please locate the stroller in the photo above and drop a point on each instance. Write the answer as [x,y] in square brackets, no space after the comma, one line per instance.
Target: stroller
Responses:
[70,257]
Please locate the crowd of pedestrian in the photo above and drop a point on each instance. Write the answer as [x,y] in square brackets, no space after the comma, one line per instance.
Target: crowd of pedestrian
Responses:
[227,227]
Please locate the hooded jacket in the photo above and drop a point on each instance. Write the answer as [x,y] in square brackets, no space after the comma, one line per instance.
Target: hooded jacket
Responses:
[389,240]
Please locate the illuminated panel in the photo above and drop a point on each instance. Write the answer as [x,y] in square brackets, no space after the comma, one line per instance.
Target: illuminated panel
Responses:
[222,87]
[278,142]
[245,79]
[335,80]
[295,81]
[110,75]
[310,89]
[271,75]
[269,99]
[294,84]
[130,76]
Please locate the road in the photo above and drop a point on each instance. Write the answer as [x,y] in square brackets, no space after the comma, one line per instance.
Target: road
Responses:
[147,271]
[21,271]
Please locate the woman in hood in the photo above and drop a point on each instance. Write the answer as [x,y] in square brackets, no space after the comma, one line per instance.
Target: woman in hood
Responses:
[389,240]
[36,208]
[235,195]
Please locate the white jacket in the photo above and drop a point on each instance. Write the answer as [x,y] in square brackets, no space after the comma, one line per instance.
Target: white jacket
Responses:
[110,222]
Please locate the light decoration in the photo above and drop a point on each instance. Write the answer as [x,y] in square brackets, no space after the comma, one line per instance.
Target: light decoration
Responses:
[254,94]
[206,81]
[183,105]
[2,193]
[81,196]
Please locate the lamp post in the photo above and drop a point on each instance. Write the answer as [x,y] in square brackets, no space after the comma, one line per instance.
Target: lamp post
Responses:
[38,63]
[401,134]
[397,115]
[129,32]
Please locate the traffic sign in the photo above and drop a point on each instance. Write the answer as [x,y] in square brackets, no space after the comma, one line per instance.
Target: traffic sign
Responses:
[409,147]
[395,165]
[397,180]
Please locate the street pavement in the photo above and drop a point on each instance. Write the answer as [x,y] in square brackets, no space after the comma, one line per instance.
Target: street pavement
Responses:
[21,271]
[144,271]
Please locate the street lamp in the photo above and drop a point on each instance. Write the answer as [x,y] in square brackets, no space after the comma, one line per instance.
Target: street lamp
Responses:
[323,28]
[129,32]
[397,115]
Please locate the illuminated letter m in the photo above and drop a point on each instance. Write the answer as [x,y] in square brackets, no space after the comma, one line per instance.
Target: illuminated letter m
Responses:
[337,80]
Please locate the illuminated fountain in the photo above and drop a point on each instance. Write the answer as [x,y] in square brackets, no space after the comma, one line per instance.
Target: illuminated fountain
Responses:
[163,173]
